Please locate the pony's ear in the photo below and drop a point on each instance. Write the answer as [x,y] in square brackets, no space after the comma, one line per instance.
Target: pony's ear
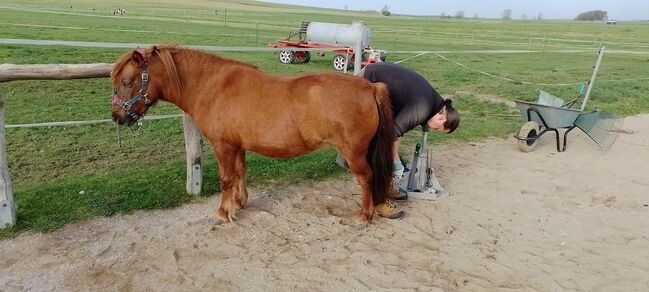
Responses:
[138,57]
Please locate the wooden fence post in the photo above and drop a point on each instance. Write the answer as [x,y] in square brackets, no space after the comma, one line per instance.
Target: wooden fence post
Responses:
[194,150]
[7,203]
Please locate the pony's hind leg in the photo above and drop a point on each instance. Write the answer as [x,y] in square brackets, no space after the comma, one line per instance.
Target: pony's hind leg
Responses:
[359,166]
[227,155]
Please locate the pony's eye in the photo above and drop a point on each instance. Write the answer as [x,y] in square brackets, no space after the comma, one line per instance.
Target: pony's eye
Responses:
[127,83]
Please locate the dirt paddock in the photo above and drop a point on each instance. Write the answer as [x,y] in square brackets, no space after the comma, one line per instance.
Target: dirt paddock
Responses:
[540,221]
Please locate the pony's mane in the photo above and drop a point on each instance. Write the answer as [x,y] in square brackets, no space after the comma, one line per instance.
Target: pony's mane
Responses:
[119,66]
[224,60]
[165,53]
[169,65]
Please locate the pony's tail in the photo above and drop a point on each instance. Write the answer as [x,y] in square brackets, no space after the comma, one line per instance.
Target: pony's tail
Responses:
[379,154]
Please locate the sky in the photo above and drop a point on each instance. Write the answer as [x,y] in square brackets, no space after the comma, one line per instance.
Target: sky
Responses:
[551,9]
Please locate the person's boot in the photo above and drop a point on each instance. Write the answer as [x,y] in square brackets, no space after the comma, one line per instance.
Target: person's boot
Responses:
[388,210]
[397,175]
[395,192]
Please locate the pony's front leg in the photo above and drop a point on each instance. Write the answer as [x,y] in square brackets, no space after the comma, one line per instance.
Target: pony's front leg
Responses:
[241,193]
[226,156]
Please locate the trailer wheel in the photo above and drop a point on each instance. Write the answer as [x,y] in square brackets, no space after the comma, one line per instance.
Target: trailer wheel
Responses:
[286,57]
[302,56]
[527,131]
[339,62]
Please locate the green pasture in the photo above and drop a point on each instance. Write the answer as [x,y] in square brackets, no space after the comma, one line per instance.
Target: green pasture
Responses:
[67,174]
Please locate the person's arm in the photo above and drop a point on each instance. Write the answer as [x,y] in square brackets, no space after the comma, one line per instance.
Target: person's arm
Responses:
[395,150]
[412,115]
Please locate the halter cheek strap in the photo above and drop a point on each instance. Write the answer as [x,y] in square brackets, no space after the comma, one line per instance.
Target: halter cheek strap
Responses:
[142,94]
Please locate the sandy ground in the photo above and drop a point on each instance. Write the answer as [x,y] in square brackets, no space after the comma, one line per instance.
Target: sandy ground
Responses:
[540,221]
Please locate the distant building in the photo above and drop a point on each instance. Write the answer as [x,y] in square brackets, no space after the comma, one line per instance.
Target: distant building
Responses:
[611,22]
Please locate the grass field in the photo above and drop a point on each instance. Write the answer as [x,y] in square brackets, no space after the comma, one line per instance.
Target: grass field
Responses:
[63,175]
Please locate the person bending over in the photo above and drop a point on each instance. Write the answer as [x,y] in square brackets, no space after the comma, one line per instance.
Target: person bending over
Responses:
[415,102]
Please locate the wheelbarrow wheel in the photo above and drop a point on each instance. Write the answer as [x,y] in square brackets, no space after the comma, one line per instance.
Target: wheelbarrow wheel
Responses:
[528,130]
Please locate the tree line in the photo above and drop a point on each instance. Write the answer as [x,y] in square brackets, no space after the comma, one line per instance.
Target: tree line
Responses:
[507,14]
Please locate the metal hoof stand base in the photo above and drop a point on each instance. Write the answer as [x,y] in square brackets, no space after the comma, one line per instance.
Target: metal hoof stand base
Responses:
[420,182]
[428,193]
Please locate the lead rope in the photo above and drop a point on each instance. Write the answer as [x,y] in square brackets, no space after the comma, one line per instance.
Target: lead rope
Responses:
[119,135]
[138,132]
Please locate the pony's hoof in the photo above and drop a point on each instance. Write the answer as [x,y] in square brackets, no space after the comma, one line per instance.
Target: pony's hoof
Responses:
[361,220]
[359,226]
[216,221]
[358,222]
[353,223]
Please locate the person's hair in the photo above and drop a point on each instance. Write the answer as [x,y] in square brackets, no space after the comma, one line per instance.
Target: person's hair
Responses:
[452,116]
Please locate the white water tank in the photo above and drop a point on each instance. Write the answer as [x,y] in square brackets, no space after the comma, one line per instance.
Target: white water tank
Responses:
[339,35]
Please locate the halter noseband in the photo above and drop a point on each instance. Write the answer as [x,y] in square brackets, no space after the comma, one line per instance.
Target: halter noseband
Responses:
[144,92]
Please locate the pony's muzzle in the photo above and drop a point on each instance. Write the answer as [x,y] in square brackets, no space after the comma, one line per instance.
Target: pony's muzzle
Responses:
[123,119]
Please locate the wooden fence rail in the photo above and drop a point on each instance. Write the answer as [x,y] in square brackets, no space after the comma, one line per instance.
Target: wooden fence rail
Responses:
[11,72]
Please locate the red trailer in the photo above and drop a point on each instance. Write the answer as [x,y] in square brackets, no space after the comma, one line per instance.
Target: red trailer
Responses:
[343,55]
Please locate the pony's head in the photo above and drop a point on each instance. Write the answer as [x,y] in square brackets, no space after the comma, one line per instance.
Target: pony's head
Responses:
[135,87]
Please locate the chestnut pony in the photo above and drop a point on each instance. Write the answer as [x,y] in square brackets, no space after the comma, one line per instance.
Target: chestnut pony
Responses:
[238,108]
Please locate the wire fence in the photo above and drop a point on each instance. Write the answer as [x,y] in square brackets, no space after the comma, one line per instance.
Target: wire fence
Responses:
[418,54]
[87,122]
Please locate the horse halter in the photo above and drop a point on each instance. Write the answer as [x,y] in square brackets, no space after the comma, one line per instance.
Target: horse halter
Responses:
[142,94]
